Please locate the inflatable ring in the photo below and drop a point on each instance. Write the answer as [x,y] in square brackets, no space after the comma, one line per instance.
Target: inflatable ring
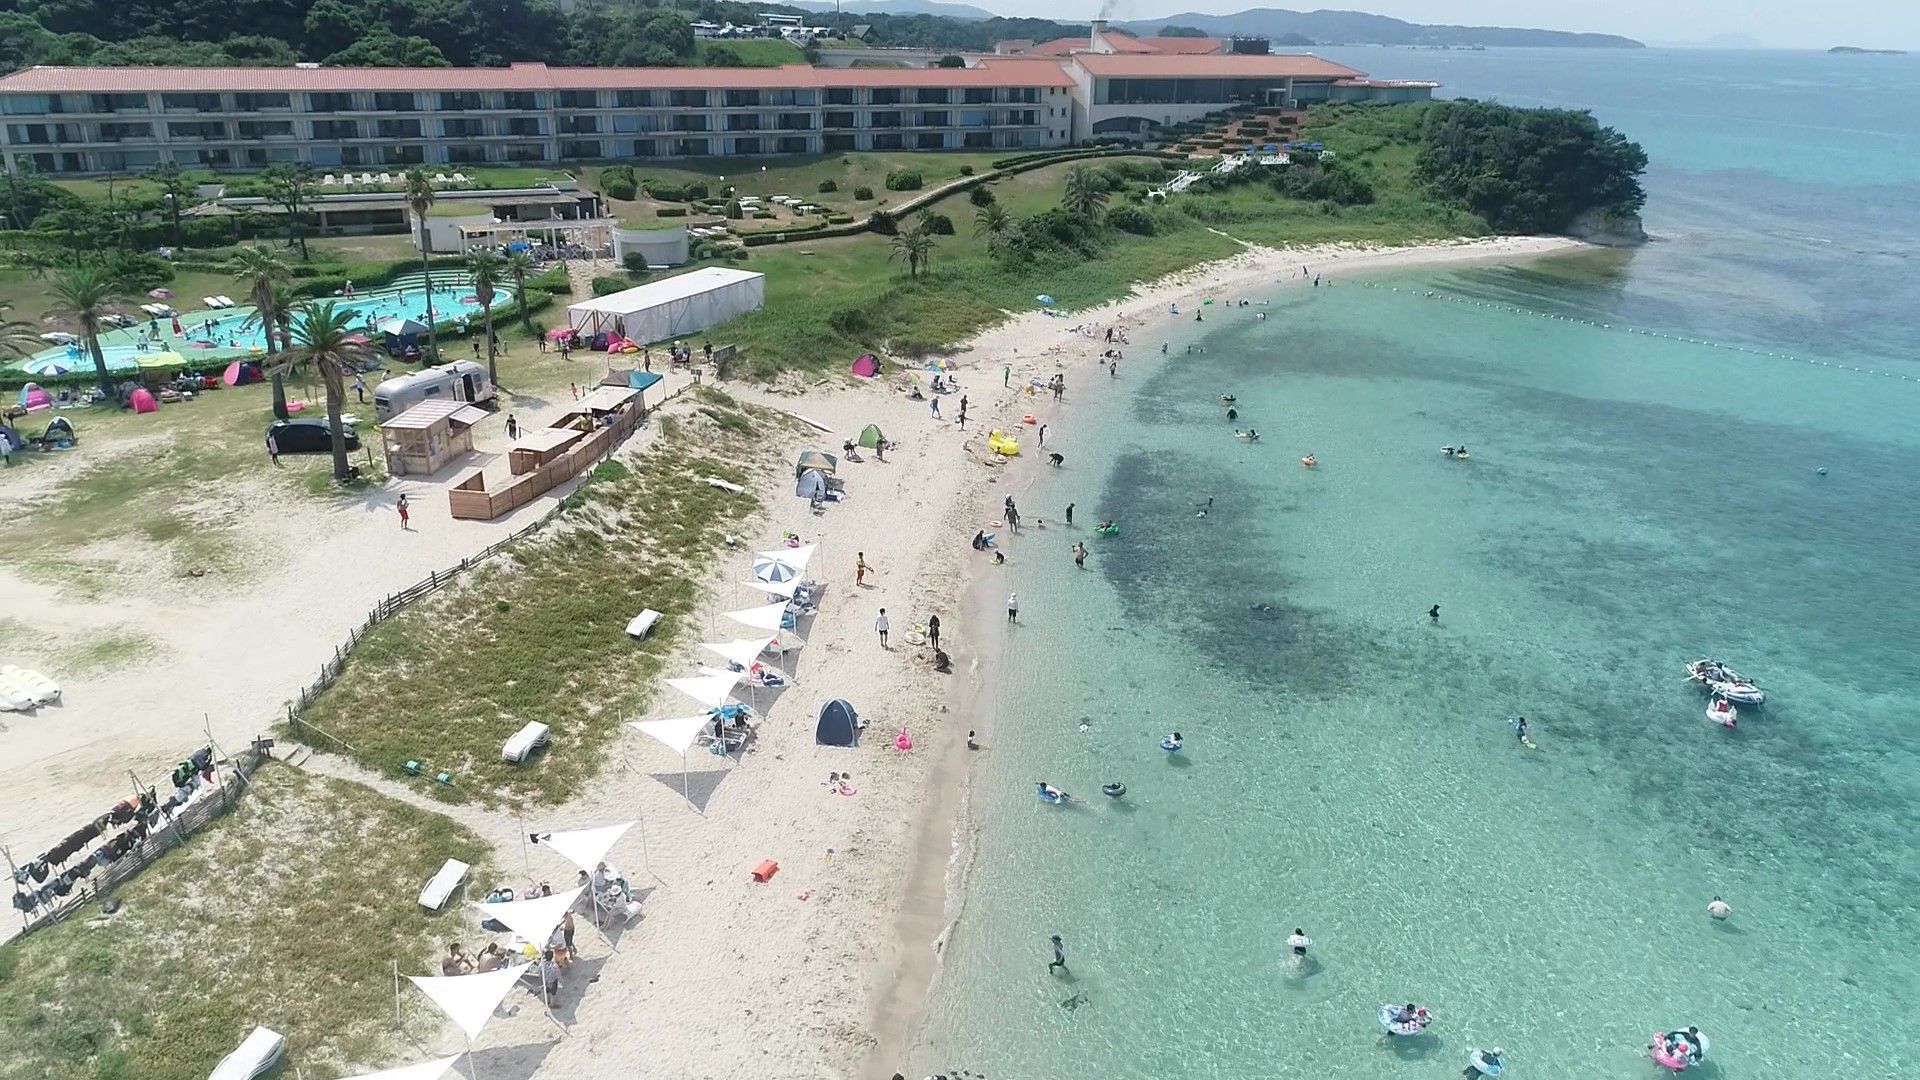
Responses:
[1028,419]
[846,788]
[994,525]
[1114,790]
[1170,746]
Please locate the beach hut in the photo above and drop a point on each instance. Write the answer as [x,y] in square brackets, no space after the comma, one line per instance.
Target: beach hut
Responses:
[430,435]
[839,725]
[34,397]
[141,401]
[866,367]
[870,436]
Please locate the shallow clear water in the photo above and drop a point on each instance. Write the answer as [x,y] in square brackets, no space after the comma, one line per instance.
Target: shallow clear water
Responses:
[1632,502]
[231,333]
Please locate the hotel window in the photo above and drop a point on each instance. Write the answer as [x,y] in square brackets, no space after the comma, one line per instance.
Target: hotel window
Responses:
[643,148]
[580,148]
[931,140]
[884,120]
[190,102]
[633,123]
[888,141]
[117,103]
[746,146]
[36,104]
[463,129]
[687,99]
[977,140]
[525,126]
[329,102]
[743,99]
[690,147]
[264,129]
[841,96]
[579,125]
[930,96]
[838,120]
[975,118]
[121,132]
[932,118]
[794,122]
[257,102]
[888,96]
[526,152]
[461,101]
[688,123]
[406,155]
[633,99]
[462,155]
[836,143]
[579,99]
[399,129]
[520,99]
[336,129]
[740,122]
[791,145]
[210,129]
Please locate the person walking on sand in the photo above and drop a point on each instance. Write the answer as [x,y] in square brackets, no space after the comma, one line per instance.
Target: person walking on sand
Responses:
[273,450]
[1059,961]
[360,389]
[933,406]
[881,626]
[1043,434]
[513,427]
[860,568]
[405,516]
[933,632]
[962,422]
[1006,375]
[1013,607]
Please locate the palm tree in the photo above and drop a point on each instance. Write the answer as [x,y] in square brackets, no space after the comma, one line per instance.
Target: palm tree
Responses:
[486,270]
[990,223]
[520,265]
[319,340]
[259,268]
[273,310]
[915,245]
[84,294]
[420,200]
[1085,193]
[16,335]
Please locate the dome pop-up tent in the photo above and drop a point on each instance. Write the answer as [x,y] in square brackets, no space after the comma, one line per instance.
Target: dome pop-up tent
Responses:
[811,485]
[870,436]
[839,725]
[34,397]
[141,401]
[241,373]
[866,367]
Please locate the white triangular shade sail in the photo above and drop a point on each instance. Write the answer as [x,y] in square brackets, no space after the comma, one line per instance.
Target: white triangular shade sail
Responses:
[774,570]
[533,919]
[798,558]
[743,651]
[585,848]
[677,734]
[778,588]
[469,1000]
[709,690]
[426,1070]
[760,618]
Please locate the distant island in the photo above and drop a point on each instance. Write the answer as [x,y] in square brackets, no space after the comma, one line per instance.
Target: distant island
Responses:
[1855,50]
[1361,28]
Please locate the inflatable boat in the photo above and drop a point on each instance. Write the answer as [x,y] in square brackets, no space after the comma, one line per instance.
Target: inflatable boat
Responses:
[1672,1050]
[1718,678]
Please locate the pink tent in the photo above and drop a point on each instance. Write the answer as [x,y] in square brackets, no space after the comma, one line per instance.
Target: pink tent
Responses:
[866,367]
[142,401]
[34,397]
[240,373]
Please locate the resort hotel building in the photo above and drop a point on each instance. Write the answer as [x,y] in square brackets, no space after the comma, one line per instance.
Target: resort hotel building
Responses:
[77,120]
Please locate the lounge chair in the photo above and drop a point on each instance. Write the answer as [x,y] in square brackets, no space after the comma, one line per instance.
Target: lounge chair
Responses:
[460,178]
[643,623]
[385,178]
[366,178]
[328,180]
[524,742]
[441,178]
[442,886]
[256,1055]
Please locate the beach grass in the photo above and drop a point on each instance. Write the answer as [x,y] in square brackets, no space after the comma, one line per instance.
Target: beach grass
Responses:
[311,883]
[539,634]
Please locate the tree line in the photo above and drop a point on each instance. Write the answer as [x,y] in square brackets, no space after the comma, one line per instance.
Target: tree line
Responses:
[427,33]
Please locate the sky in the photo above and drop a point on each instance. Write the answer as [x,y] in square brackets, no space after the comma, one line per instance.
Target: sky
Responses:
[1765,23]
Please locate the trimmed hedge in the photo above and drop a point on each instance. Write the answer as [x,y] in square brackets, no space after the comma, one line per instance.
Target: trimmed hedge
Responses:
[670,211]
[863,192]
[905,180]
[607,284]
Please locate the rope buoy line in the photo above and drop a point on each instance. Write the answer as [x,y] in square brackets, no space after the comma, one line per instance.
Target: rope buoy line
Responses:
[1429,294]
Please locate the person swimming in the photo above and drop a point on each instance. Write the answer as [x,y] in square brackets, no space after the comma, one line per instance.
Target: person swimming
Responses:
[1233,414]
[1298,942]
[1719,908]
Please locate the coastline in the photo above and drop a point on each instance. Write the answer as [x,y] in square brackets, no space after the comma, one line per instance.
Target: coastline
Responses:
[933,889]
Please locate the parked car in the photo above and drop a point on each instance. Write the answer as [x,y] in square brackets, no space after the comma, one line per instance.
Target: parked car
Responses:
[307,437]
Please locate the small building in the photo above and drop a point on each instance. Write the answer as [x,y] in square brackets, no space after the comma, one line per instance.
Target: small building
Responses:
[429,436]
[670,308]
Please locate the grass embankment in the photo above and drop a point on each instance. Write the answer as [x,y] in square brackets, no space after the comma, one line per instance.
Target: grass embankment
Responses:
[799,176]
[481,178]
[539,634]
[287,913]
[748,52]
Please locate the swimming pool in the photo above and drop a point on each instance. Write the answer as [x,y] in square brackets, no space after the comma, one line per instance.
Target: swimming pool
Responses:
[224,334]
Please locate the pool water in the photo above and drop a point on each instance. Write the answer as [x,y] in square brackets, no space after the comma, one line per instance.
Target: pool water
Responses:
[224,334]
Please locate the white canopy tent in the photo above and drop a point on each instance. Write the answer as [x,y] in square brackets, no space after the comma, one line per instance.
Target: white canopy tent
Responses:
[533,919]
[712,690]
[767,617]
[784,589]
[743,651]
[585,848]
[426,1070]
[672,307]
[677,734]
[469,1000]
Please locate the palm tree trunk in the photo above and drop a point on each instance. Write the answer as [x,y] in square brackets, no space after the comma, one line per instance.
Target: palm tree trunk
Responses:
[493,375]
[100,363]
[280,397]
[336,395]
[520,297]
[426,271]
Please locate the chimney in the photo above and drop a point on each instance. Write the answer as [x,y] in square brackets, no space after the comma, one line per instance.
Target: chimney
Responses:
[1096,37]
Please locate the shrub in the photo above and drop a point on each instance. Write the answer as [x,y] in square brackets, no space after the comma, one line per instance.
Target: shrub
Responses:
[828,185]
[611,283]
[697,190]
[671,211]
[1130,219]
[666,192]
[763,215]
[981,196]
[734,212]
[966,170]
[937,224]
[863,192]
[635,262]
[904,180]
[883,223]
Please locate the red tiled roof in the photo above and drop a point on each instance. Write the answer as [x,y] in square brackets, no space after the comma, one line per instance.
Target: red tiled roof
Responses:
[1274,66]
[81,80]
[1124,43]
[1184,46]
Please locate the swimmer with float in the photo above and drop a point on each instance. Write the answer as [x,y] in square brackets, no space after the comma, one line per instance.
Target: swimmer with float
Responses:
[1172,743]
[1050,794]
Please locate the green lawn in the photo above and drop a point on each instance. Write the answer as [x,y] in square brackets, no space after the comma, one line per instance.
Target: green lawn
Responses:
[539,634]
[801,176]
[288,913]
[753,52]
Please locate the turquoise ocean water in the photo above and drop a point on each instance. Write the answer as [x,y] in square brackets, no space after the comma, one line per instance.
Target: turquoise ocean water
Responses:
[1632,502]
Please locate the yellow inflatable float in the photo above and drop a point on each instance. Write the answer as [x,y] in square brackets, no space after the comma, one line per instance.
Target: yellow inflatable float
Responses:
[1000,444]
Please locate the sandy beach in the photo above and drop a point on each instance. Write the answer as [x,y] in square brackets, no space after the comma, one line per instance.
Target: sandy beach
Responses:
[822,971]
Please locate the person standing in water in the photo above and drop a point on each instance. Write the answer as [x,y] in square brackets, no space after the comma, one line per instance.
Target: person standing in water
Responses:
[1013,607]
[1079,554]
[1059,961]
[1719,908]
[1069,515]
[1297,943]
[1434,613]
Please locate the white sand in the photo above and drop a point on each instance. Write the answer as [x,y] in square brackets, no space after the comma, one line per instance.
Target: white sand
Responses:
[820,973]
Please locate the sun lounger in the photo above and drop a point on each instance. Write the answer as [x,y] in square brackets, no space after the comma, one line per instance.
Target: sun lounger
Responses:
[643,623]
[460,178]
[258,1052]
[524,742]
[225,301]
[443,885]
[366,178]
[441,178]
[37,687]
[328,180]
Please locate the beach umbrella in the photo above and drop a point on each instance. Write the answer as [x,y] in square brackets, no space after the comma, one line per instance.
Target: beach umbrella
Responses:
[782,589]
[711,690]
[47,365]
[796,557]
[678,735]
[469,1000]
[773,570]
[1045,299]
[743,651]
